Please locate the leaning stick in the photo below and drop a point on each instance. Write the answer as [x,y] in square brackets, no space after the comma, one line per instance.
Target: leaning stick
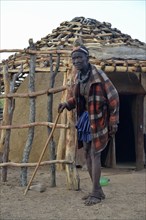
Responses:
[42,154]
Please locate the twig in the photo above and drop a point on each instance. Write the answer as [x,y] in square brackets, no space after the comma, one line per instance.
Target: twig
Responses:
[12,164]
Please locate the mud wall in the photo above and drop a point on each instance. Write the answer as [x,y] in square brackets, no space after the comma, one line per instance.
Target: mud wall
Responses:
[21,116]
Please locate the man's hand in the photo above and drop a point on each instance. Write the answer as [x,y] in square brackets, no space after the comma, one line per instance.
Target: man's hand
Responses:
[113,129]
[62,106]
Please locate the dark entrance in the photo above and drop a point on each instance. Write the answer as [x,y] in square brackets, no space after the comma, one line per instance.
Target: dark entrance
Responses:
[125,140]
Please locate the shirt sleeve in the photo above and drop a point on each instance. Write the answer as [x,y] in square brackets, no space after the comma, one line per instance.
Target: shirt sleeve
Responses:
[71,102]
[113,102]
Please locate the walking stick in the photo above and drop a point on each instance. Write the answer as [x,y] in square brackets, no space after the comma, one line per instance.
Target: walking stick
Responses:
[111,155]
[42,154]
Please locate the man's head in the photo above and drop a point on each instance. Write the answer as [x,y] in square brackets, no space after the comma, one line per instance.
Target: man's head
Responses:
[80,58]
[80,48]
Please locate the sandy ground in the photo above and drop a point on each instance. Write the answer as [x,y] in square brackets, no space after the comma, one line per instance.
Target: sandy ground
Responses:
[125,197]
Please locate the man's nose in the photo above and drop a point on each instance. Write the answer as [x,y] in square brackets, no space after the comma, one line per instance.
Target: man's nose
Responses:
[76,60]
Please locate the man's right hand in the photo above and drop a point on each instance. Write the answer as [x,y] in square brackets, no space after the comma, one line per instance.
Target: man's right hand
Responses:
[62,106]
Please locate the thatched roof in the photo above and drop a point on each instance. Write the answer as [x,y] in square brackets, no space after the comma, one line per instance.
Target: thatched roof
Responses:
[102,40]
[108,47]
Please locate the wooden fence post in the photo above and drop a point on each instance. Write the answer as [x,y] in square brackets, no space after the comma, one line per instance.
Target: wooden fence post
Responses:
[28,145]
[4,143]
[62,137]
[53,74]
[9,106]
[73,181]
[139,137]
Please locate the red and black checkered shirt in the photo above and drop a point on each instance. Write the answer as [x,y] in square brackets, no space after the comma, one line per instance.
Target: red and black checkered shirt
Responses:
[103,105]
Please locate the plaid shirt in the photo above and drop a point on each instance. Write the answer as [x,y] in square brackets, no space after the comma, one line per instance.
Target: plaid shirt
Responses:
[103,105]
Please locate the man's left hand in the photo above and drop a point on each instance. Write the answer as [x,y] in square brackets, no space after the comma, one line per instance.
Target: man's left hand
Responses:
[113,129]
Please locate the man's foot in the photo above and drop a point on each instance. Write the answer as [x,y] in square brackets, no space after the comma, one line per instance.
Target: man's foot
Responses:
[101,196]
[86,196]
[92,200]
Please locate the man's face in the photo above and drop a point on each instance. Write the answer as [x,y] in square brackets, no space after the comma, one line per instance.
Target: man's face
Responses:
[80,60]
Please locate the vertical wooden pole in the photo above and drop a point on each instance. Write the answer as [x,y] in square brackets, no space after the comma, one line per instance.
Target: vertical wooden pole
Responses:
[62,137]
[28,145]
[73,181]
[143,82]
[53,74]
[4,142]
[5,109]
[1,117]
[111,155]
[8,114]
[139,139]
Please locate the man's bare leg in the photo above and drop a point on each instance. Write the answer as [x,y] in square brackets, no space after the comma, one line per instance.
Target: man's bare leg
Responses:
[87,147]
[97,193]
[94,169]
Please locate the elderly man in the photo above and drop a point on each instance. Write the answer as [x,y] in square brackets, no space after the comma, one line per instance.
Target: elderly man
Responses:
[97,105]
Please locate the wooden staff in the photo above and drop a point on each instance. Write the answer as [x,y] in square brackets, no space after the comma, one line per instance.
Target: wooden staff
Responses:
[42,154]
[111,155]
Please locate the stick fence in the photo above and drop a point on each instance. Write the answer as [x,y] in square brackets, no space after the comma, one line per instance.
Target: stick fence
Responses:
[32,94]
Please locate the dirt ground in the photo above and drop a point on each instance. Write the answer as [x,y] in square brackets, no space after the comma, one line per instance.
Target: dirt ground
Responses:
[125,197]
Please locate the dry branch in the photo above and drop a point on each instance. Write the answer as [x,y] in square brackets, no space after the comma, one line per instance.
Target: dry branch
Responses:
[52,77]
[32,115]
[33,94]
[12,164]
[129,69]
[4,141]
[108,68]
[38,69]
[49,124]
[62,137]
[49,51]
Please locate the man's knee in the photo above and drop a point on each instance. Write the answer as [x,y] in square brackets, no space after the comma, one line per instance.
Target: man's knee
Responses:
[87,149]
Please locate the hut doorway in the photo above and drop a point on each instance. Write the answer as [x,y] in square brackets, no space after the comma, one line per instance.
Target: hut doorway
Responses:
[125,139]
[129,138]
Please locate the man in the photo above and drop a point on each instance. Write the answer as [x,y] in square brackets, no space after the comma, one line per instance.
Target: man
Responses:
[97,104]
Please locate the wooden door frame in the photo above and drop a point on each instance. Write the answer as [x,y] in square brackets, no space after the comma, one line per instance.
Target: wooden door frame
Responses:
[138,130]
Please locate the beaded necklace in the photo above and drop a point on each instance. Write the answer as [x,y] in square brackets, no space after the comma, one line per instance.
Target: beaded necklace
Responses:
[85,79]
[83,82]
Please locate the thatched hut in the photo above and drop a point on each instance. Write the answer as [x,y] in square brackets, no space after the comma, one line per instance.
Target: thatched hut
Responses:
[121,57]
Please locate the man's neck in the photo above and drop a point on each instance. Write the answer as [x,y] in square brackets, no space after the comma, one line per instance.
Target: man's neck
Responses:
[85,70]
